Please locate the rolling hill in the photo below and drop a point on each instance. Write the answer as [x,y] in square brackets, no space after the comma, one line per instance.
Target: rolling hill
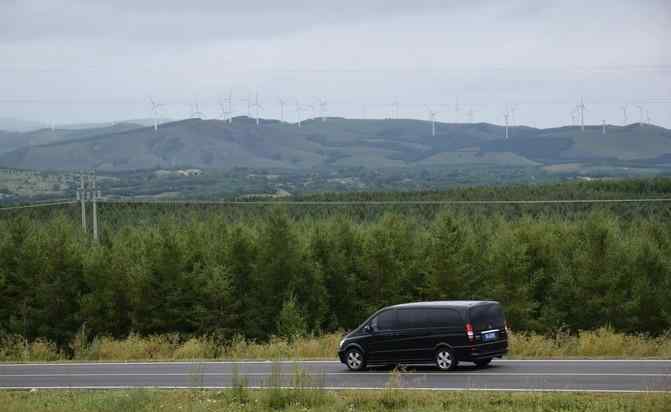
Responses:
[15,140]
[336,142]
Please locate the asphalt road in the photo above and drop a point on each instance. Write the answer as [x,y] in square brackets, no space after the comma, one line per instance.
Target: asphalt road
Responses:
[506,375]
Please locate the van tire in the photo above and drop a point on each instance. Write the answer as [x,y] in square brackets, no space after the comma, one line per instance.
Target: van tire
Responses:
[445,359]
[483,363]
[355,359]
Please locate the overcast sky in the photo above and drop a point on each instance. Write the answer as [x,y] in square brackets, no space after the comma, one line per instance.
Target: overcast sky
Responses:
[93,60]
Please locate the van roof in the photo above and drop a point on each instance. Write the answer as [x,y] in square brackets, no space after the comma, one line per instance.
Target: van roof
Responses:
[444,303]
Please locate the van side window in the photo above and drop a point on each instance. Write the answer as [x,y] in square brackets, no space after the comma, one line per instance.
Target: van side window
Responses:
[385,320]
[443,318]
[412,318]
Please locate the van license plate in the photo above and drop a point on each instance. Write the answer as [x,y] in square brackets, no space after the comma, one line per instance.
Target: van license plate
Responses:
[489,336]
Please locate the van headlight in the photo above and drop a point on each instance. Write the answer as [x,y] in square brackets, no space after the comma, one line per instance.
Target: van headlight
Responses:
[341,342]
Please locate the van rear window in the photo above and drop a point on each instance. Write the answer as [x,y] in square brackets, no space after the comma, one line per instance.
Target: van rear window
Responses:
[489,316]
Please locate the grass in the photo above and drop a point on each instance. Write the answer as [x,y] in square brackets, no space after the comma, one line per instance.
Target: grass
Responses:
[322,400]
[601,343]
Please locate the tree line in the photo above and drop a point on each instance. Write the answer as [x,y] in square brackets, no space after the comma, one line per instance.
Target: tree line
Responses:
[277,273]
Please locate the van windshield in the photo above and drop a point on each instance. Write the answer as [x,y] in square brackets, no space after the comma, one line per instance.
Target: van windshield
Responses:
[489,316]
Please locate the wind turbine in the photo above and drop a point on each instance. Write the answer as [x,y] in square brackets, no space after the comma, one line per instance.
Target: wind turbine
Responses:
[506,116]
[225,114]
[432,119]
[647,118]
[640,111]
[258,108]
[395,106]
[299,112]
[229,99]
[581,109]
[456,110]
[313,108]
[282,104]
[248,100]
[154,110]
[323,105]
[470,115]
[195,110]
[624,114]
[573,117]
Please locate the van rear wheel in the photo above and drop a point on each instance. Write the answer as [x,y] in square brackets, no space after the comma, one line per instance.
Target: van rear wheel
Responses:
[354,359]
[445,359]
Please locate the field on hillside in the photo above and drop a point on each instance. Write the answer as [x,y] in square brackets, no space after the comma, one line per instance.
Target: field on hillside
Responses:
[257,271]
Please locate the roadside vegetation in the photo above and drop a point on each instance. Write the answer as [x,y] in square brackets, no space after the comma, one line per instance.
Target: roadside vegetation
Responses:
[205,282]
[316,399]
[602,343]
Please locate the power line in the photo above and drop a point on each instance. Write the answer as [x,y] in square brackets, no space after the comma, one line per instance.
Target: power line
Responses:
[378,202]
[338,202]
[40,204]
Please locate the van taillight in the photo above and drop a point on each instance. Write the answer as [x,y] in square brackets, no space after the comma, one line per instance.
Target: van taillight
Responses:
[469,332]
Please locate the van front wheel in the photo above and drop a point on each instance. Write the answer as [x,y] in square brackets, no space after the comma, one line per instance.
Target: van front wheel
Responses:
[445,359]
[354,359]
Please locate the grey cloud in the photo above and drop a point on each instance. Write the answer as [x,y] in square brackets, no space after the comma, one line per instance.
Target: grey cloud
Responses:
[347,50]
[171,20]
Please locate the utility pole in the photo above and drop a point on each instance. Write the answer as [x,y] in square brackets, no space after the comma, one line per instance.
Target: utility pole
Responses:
[81,195]
[94,197]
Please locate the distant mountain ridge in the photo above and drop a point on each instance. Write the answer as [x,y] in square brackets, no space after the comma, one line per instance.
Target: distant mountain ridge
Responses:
[336,142]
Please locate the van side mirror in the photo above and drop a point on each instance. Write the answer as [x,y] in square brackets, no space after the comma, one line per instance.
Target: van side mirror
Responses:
[367,329]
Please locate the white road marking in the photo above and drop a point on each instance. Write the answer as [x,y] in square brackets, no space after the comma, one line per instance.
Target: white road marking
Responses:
[195,362]
[324,373]
[335,388]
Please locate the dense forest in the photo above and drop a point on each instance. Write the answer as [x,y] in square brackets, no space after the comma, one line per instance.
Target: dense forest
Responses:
[258,271]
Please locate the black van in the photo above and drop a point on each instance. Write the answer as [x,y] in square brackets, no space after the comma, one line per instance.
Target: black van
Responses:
[442,333]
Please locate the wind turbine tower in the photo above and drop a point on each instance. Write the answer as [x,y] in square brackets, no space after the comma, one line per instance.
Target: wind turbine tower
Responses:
[640,111]
[225,114]
[456,109]
[282,104]
[581,109]
[258,108]
[395,106]
[506,116]
[230,106]
[248,100]
[323,105]
[154,110]
[624,114]
[432,118]
[647,118]
[299,112]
